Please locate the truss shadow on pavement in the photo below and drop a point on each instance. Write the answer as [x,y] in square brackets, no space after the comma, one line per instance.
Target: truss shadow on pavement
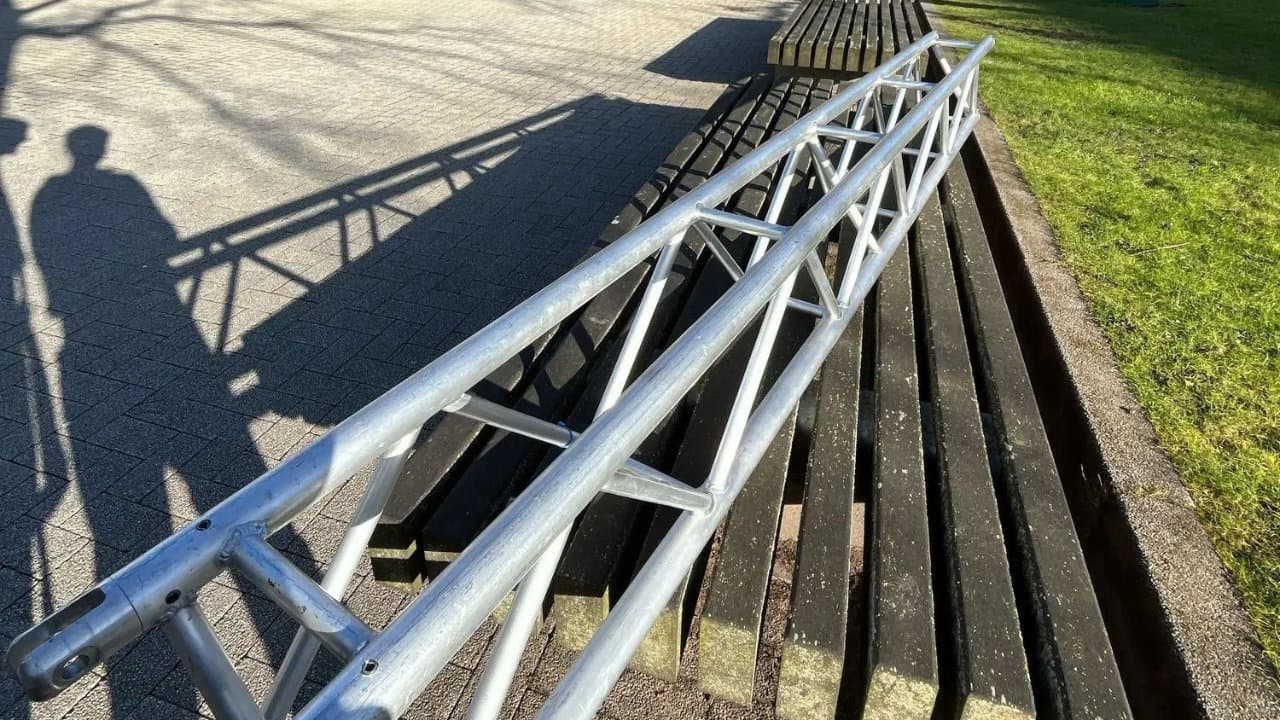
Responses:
[158,374]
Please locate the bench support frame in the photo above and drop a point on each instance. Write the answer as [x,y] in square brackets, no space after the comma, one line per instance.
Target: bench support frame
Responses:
[919,128]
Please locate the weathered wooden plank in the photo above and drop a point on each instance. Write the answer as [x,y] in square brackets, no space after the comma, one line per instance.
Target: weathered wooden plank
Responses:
[659,654]
[1072,655]
[813,651]
[886,31]
[729,629]
[816,36]
[839,48]
[991,678]
[871,51]
[822,45]
[915,26]
[589,573]
[777,42]
[903,681]
[857,38]
[900,34]
[791,46]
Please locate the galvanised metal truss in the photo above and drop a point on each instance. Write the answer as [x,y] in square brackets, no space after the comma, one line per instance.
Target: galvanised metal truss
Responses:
[919,127]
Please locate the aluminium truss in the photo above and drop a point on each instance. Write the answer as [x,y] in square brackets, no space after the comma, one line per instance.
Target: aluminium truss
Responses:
[916,130]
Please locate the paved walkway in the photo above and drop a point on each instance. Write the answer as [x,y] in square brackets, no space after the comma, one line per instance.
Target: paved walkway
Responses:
[226,226]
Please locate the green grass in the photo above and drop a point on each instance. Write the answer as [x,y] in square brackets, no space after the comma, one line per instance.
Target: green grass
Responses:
[1151,136]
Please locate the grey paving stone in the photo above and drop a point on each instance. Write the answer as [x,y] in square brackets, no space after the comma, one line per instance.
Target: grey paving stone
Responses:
[153,707]
[133,437]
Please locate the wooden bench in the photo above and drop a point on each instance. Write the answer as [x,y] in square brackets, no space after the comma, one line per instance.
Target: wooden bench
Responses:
[963,592]
[838,38]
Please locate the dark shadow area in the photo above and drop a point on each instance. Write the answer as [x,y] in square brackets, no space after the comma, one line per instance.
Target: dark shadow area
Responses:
[703,55]
[159,374]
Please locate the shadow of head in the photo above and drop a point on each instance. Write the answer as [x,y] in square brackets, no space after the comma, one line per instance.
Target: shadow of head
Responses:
[87,145]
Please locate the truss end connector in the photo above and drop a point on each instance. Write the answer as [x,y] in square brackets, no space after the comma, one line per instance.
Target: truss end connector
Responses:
[69,643]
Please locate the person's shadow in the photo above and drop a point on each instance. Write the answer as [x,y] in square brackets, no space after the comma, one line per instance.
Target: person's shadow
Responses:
[136,375]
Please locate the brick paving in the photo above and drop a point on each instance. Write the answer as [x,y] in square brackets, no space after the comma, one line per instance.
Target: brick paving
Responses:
[225,226]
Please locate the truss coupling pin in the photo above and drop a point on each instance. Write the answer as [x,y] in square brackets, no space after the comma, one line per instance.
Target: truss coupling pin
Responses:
[69,643]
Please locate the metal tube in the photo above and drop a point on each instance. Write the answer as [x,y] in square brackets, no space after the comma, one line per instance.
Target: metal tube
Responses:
[917,85]
[514,636]
[818,274]
[911,201]
[735,271]
[291,589]
[302,651]
[418,643]
[514,421]
[844,133]
[718,249]
[859,118]
[660,489]
[752,376]
[742,223]
[828,177]
[634,479]
[639,325]
[774,209]
[601,663]
[198,648]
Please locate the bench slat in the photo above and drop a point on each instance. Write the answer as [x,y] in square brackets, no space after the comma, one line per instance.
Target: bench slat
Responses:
[857,38]
[1073,656]
[838,48]
[822,43]
[911,14]
[991,666]
[813,650]
[871,53]
[815,37]
[659,654]
[729,629]
[886,31]
[903,683]
[588,575]
[902,38]
[778,40]
[791,46]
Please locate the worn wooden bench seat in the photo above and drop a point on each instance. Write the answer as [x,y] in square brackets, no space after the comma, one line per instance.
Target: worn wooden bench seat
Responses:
[838,38]
[934,567]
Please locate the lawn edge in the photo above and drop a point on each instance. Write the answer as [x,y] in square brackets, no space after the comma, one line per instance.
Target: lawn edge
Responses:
[1180,629]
